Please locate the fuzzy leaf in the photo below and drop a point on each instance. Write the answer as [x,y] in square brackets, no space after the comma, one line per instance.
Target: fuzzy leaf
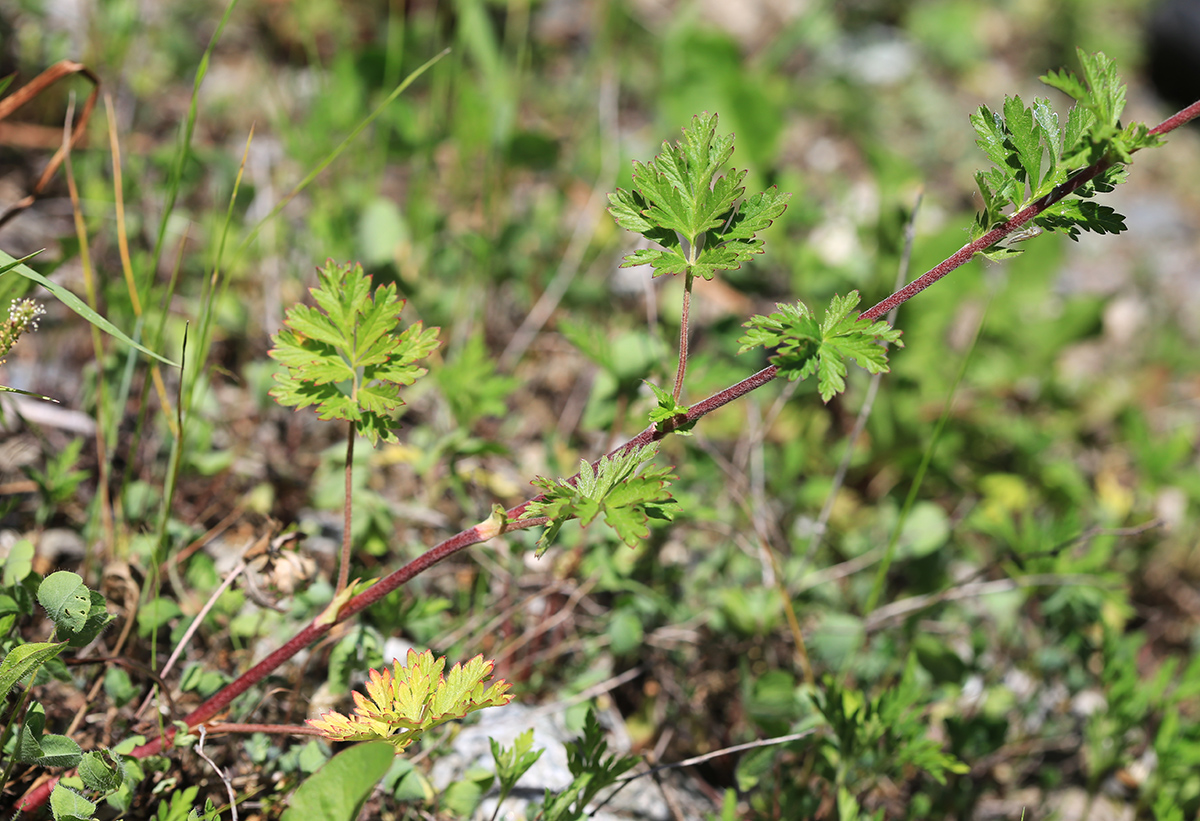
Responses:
[66,804]
[23,660]
[67,600]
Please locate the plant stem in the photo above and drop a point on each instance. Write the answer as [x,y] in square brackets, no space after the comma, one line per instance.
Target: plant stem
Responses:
[964,254]
[347,509]
[683,335]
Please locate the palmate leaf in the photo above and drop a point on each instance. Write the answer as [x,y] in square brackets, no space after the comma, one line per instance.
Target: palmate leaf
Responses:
[805,347]
[405,702]
[1031,155]
[344,356]
[694,216]
[622,489]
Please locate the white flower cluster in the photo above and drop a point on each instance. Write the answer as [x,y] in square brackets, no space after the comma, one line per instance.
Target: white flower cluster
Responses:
[23,316]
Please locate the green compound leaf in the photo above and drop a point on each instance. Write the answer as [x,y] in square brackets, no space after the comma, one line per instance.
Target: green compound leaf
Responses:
[1031,155]
[513,762]
[622,489]
[805,346]
[695,217]
[344,357]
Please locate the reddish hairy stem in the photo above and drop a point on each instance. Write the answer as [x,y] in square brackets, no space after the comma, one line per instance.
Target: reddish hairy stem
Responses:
[38,796]
[683,337]
[964,254]
[347,511]
[1180,118]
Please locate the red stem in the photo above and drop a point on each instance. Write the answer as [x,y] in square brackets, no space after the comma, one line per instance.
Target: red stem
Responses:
[1018,219]
[683,337]
[39,795]
[347,512]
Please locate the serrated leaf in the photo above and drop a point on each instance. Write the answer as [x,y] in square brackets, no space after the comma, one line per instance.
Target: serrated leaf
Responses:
[990,135]
[622,489]
[343,356]
[756,213]
[668,409]
[805,347]
[681,203]
[663,262]
[1025,133]
[1071,216]
[1015,142]
[1105,90]
[1047,120]
[402,703]
[627,209]
[1066,82]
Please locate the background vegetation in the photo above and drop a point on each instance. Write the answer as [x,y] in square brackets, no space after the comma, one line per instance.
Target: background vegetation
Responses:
[1049,624]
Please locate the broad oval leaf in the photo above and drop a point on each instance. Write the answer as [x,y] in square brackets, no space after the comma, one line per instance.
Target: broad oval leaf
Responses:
[59,751]
[67,600]
[67,804]
[336,792]
[100,771]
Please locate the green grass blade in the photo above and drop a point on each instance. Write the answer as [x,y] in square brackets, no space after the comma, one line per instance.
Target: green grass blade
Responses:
[333,155]
[185,138]
[73,302]
[890,552]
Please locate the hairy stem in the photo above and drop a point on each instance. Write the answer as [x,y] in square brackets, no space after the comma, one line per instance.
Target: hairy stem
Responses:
[347,510]
[964,254]
[683,336]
